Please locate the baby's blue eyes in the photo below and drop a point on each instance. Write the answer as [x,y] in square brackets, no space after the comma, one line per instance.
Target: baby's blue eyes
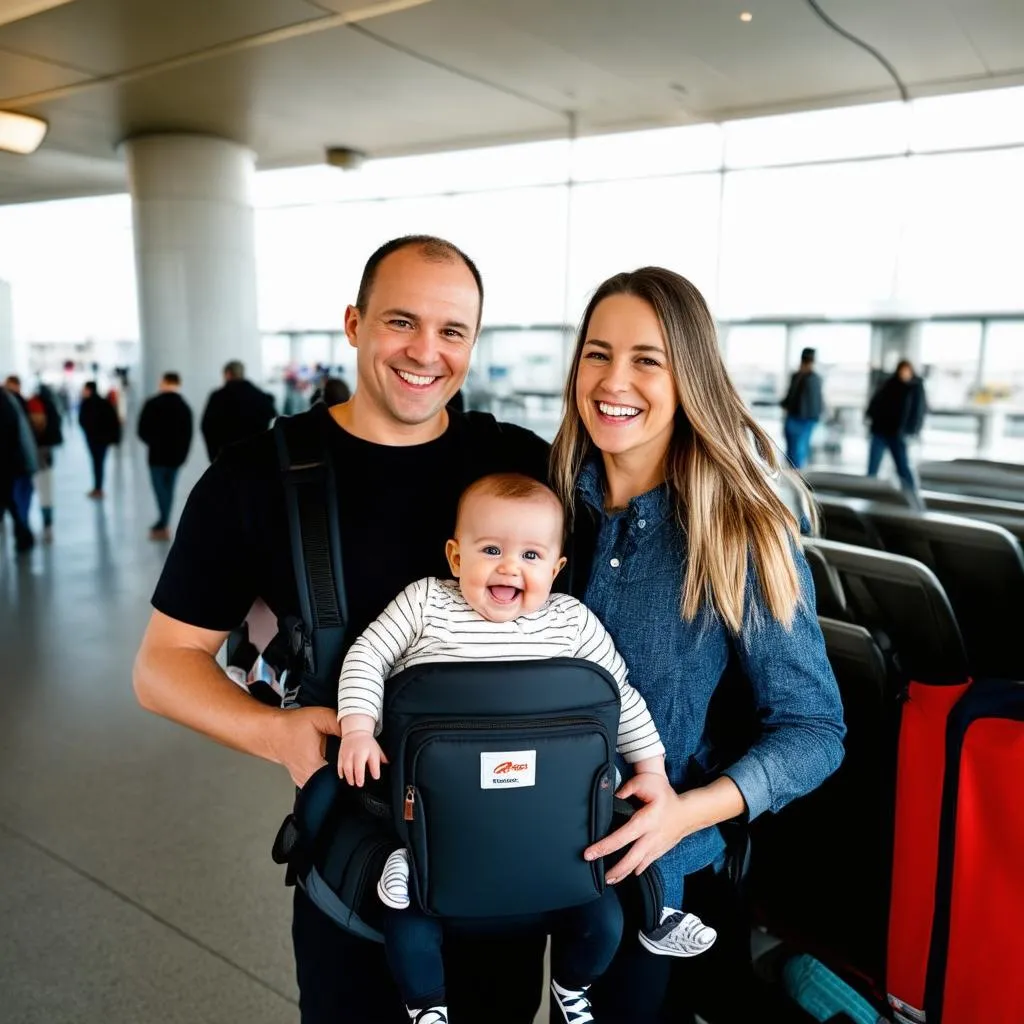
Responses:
[494,551]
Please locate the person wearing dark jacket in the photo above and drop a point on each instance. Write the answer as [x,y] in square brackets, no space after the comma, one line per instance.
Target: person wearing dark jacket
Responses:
[165,428]
[236,411]
[23,484]
[895,413]
[102,427]
[45,416]
[803,406]
[17,461]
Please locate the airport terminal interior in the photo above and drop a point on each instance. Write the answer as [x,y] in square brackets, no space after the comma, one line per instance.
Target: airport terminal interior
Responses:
[186,186]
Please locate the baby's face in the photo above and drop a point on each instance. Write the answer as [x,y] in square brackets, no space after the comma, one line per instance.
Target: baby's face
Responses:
[506,554]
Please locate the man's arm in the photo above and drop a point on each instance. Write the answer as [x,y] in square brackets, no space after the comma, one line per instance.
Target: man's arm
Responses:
[176,676]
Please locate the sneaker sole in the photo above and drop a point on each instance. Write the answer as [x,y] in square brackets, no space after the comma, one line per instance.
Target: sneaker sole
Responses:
[389,902]
[658,951]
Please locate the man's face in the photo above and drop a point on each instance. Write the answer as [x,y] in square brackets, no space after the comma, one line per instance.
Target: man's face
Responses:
[13,384]
[415,339]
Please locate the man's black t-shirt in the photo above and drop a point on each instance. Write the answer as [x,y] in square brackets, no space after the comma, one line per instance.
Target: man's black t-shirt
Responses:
[396,505]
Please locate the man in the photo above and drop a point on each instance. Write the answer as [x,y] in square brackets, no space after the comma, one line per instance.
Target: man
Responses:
[236,411]
[803,405]
[402,461]
[22,487]
[17,463]
[102,427]
[165,427]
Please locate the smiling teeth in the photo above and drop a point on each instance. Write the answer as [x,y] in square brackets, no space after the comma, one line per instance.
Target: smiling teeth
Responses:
[617,410]
[413,379]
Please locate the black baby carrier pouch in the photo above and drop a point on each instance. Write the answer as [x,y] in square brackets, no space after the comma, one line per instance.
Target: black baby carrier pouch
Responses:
[502,775]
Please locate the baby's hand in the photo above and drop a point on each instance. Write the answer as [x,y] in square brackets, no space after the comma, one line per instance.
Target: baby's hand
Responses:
[359,750]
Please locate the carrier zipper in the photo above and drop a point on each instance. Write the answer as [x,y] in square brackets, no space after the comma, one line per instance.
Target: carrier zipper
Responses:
[410,803]
[507,723]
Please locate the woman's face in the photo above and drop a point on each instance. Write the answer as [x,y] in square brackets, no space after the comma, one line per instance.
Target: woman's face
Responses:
[625,392]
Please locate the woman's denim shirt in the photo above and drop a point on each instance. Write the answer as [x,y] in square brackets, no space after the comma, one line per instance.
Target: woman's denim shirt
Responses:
[634,588]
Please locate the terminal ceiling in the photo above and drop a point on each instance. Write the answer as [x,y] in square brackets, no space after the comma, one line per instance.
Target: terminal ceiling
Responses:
[289,78]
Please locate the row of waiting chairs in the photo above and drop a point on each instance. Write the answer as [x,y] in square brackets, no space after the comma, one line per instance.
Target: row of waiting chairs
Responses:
[901,595]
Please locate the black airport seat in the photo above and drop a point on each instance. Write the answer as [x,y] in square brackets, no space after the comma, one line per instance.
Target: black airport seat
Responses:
[977,478]
[853,486]
[904,607]
[820,869]
[830,601]
[1007,514]
[981,568]
[843,520]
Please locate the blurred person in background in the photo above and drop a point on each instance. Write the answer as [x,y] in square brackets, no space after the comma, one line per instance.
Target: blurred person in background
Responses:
[331,391]
[45,416]
[895,413]
[23,484]
[235,411]
[165,428]
[17,464]
[803,407]
[102,427]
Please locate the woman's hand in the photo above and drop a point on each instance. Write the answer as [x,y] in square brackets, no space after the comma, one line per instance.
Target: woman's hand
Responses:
[666,818]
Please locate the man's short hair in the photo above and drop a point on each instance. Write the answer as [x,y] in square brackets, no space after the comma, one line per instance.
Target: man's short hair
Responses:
[235,369]
[13,381]
[172,378]
[808,355]
[433,249]
[515,487]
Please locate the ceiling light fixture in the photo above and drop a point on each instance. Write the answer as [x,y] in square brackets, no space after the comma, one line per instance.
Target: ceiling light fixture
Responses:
[746,16]
[20,133]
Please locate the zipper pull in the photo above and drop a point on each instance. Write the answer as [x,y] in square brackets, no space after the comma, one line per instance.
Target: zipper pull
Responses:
[410,803]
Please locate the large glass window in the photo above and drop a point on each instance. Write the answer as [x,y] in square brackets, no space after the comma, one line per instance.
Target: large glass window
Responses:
[810,240]
[755,355]
[949,362]
[615,226]
[1002,374]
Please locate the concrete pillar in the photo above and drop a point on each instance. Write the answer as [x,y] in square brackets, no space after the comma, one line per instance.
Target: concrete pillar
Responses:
[9,361]
[195,258]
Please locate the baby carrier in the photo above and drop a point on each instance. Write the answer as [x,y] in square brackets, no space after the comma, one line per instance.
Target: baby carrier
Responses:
[500,774]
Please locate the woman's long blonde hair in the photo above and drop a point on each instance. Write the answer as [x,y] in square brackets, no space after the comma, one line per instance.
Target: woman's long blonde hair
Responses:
[717,465]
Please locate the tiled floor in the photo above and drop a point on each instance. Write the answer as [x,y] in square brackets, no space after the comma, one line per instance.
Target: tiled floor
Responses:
[137,884]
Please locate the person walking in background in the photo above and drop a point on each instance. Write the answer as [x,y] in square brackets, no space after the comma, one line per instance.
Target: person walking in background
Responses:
[45,417]
[102,427]
[17,464]
[165,428]
[235,411]
[803,406]
[23,485]
[332,391]
[895,413]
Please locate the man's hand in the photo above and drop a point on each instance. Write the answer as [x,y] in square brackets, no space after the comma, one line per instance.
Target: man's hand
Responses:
[359,750]
[299,739]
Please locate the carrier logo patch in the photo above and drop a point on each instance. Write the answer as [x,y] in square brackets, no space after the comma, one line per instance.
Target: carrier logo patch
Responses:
[505,768]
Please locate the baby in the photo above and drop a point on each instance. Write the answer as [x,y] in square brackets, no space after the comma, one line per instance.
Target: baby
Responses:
[504,556]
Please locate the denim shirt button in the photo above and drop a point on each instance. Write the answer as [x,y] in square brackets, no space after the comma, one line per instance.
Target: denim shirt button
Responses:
[615,563]
[641,523]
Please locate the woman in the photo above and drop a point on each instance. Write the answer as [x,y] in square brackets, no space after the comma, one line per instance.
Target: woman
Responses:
[693,559]
[896,412]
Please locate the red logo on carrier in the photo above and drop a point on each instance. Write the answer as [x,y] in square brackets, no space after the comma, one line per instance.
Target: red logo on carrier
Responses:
[509,766]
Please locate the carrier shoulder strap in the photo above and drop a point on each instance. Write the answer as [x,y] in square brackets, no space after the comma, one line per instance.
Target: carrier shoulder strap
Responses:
[311,503]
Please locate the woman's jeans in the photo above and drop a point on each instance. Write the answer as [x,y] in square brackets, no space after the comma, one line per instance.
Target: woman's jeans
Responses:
[584,940]
[897,444]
